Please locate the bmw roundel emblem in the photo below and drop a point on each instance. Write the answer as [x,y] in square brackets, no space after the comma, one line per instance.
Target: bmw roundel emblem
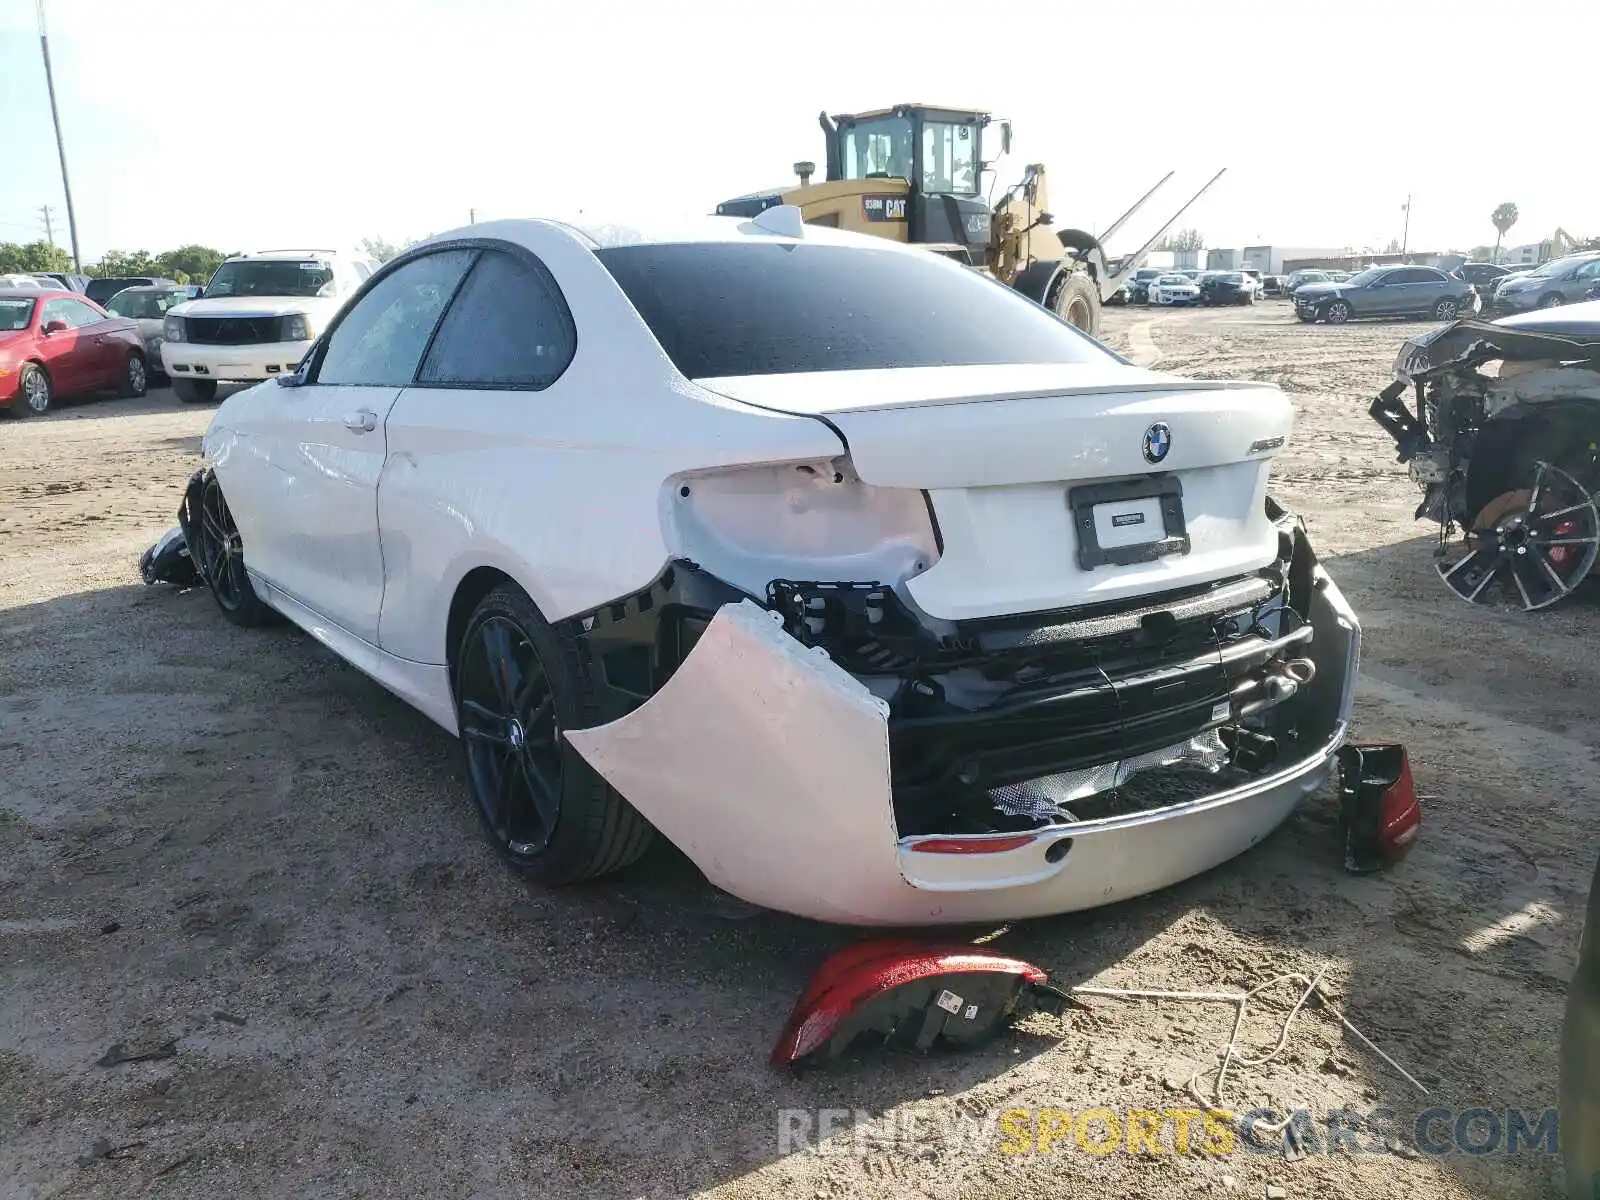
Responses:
[1157,441]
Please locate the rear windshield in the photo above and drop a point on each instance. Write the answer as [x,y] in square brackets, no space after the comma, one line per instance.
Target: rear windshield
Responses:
[14,313]
[733,308]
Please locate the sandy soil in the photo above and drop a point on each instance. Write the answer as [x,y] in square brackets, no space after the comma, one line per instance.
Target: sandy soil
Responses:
[228,852]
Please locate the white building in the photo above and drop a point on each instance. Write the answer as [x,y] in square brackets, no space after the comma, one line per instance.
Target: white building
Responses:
[1269,260]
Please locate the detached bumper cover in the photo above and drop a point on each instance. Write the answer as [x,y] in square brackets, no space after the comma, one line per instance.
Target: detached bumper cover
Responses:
[769,766]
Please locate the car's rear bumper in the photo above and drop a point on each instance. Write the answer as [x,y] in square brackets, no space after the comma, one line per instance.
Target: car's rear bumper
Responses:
[777,772]
[195,360]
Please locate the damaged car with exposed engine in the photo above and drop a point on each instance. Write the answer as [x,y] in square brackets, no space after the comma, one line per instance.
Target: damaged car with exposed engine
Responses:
[1500,433]
[883,593]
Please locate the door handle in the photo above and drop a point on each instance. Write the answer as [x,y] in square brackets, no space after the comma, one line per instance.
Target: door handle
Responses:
[364,421]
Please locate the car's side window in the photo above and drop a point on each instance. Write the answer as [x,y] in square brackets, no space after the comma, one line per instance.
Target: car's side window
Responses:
[78,314]
[508,328]
[1589,270]
[380,340]
[59,309]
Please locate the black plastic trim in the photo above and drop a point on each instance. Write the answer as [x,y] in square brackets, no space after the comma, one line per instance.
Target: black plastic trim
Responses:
[1175,533]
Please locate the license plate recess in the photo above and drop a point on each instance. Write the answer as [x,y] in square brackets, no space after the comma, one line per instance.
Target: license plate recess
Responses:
[1137,501]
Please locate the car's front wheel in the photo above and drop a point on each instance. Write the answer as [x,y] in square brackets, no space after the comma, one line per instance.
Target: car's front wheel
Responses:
[518,683]
[1336,313]
[1554,300]
[219,554]
[135,380]
[195,391]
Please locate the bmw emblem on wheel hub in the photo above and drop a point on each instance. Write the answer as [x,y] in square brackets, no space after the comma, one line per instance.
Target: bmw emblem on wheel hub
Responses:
[1157,441]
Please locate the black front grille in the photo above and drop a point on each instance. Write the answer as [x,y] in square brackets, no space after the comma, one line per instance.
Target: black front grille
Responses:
[234,331]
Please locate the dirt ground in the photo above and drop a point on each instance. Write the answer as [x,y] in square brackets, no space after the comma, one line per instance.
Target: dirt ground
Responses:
[240,862]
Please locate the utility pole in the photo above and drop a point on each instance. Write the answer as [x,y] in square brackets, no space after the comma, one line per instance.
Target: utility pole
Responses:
[61,149]
[472,216]
[1405,235]
[49,229]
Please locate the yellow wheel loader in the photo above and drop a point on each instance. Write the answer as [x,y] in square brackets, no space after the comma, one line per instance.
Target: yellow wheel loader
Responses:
[913,173]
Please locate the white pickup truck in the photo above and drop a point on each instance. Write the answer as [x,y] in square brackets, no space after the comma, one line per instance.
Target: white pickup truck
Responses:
[257,318]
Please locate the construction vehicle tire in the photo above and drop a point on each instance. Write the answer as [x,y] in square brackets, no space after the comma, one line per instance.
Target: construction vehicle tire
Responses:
[1070,294]
[1075,300]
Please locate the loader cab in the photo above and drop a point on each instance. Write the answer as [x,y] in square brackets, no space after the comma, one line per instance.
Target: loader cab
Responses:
[931,163]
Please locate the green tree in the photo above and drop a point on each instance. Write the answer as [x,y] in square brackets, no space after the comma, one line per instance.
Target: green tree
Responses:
[1183,239]
[380,249]
[33,256]
[189,263]
[1504,217]
[116,263]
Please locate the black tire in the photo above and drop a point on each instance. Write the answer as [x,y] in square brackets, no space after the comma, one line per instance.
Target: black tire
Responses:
[195,391]
[1579,1120]
[218,554]
[1075,300]
[135,380]
[517,683]
[1553,300]
[1447,309]
[1068,294]
[34,392]
[1336,312]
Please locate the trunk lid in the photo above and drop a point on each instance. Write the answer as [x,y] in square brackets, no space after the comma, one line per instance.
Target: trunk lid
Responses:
[1015,460]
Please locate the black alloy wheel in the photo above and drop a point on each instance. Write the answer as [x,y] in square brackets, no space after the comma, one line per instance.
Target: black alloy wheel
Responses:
[219,554]
[512,736]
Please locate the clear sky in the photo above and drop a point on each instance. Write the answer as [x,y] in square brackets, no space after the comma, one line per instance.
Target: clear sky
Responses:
[290,122]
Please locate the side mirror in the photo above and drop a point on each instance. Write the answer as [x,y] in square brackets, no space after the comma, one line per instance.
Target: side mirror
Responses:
[54,327]
[1005,137]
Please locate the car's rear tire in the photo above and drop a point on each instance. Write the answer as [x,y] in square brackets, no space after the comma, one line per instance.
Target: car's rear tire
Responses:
[195,391]
[1336,312]
[517,683]
[34,392]
[218,552]
[1447,309]
[135,380]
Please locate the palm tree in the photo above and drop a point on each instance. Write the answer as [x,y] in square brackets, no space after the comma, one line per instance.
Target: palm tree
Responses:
[1504,217]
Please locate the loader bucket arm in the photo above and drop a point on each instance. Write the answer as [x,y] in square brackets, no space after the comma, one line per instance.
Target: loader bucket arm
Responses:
[1110,230]
[1131,263]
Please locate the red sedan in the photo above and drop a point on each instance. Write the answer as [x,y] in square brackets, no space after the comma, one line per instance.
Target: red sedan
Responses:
[57,343]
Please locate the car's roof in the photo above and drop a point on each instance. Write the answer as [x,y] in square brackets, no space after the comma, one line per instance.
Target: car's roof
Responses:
[600,234]
[272,255]
[154,287]
[45,293]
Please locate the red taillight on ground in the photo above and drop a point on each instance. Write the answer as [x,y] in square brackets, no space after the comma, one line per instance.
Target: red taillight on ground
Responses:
[1399,812]
[907,994]
[1379,814]
[971,845]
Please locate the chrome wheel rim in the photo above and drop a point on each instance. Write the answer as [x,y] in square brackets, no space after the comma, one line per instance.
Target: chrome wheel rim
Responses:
[136,373]
[36,391]
[1446,310]
[511,734]
[1338,313]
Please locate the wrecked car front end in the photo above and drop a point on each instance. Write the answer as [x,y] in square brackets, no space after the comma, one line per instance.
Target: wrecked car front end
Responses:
[825,749]
[1500,434]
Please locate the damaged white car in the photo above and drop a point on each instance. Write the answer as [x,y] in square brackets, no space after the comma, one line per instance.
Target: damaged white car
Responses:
[883,593]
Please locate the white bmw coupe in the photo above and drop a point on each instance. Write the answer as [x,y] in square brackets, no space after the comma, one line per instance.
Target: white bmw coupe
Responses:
[883,593]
